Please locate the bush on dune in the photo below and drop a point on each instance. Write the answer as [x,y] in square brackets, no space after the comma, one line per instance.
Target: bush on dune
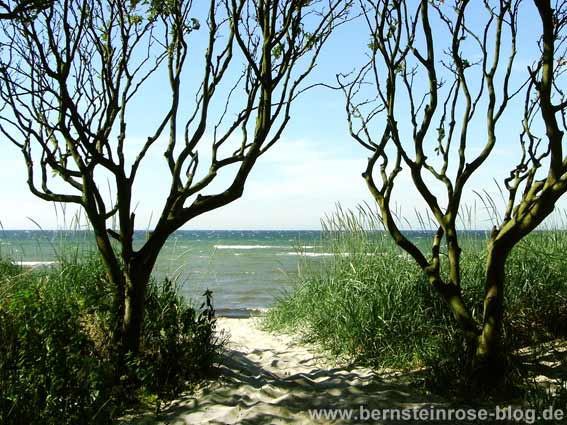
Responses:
[179,343]
[51,370]
[57,365]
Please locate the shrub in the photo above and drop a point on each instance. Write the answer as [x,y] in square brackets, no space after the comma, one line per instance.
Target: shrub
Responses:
[50,370]
[179,344]
[56,362]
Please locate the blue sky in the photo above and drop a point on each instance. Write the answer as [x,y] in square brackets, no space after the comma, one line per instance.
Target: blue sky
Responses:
[314,166]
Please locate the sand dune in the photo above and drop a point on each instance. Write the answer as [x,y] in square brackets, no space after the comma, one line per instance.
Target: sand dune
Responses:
[273,379]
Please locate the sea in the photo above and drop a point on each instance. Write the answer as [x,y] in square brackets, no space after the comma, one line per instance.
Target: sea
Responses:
[245,270]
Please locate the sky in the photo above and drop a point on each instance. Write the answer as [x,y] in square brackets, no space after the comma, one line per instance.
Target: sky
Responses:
[315,166]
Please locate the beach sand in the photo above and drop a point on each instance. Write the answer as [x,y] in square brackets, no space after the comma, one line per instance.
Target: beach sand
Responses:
[275,379]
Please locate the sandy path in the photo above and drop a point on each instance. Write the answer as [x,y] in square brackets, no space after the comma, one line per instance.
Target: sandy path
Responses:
[272,379]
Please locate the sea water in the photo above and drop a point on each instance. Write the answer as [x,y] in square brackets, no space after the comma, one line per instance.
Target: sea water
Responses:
[246,270]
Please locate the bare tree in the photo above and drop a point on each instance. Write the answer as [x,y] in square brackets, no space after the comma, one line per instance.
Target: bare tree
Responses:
[71,73]
[426,105]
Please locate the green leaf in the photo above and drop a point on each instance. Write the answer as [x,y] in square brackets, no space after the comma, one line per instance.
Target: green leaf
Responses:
[135,19]
[277,51]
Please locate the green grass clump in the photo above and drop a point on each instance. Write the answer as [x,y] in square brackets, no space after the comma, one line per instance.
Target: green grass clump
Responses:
[370,302]
[371,305]
[57,363]
[380,318]
[536,290]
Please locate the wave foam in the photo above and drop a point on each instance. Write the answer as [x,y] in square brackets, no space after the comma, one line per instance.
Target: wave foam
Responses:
[35,263]
[315,254]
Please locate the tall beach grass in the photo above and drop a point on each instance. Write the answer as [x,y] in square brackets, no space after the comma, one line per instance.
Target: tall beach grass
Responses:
[370,302]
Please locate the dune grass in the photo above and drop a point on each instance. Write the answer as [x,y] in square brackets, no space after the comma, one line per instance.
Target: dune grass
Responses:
[370,302]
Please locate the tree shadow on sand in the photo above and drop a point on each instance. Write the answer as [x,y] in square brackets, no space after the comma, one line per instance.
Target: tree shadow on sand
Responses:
[248,393]
[546,363]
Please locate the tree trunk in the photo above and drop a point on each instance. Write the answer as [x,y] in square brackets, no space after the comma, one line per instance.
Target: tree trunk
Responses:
[137,271]
[451,294]
[137,279]
[116,277]
[488,349]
